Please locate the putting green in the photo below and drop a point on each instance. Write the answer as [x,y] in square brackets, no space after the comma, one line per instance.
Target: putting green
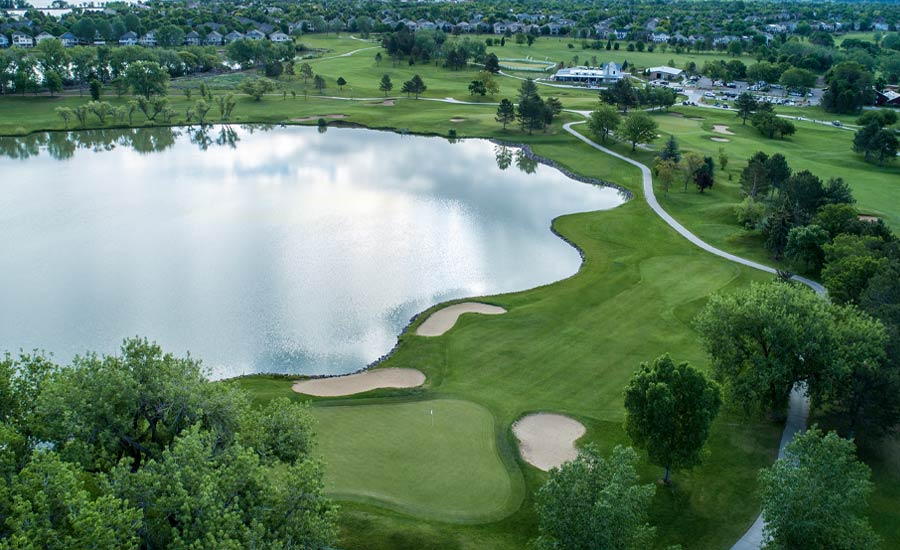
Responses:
[393,455]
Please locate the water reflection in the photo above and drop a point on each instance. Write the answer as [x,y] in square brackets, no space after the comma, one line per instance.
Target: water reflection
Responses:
[63,145]
[265,250]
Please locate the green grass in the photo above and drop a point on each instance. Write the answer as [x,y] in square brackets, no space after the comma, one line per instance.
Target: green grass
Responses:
[568,347]
[443,466]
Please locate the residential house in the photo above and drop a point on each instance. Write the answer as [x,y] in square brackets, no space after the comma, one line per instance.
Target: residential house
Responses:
[130,38]
[620,34]
[4,42]
[68,40]
[233,36]
[43,36]
[255,35]
[279,37]
[192,39]
[22,40]
[660,38]
[213,39]
[664,73]
[500,28]
[148,40]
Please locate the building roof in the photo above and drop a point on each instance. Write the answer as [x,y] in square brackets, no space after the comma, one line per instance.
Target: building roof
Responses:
[666,70]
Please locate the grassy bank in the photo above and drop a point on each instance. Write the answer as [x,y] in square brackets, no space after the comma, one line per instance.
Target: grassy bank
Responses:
[568,347]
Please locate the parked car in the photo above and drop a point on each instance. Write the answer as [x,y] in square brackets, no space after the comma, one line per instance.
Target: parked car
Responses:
[836,123]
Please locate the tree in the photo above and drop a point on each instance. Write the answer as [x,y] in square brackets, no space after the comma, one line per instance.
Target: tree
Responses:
[491,63]
[816,495]
[341,82]
[487,81]
[416,85]
[850,262]
[637,128]
[476,87]
[881,117]
[876,143]
[147,78]
[769,124]
[306,72]
[763,339]
[101,109]
[799,80]
[605,119]
[531,113]
[170,36]
[553,108]
[506,112]
[665,173]
[723,159]
[257,87]
[670,151]
[669,409]
[385,85]
[53,82]
[201,108]
[755,177]
[65,113]
[849,87]
[592,502]
[152,107]
[750,213]
[804,247]
[378,58]
[527,90]
[319,83]
[691,164]
[622,94]
[745,105]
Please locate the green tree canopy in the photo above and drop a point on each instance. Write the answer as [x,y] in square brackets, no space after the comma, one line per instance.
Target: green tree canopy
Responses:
[816,496]
[595,502]
[669,409]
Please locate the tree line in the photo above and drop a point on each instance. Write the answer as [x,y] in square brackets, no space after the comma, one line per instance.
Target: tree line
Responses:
[140,450]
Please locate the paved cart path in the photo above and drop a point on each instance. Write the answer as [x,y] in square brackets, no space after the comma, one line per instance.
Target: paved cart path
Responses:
[798,409]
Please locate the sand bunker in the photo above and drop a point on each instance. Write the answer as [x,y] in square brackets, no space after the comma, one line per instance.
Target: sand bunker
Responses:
[547,440]
[443,320]
[387,103]
[361,382]
[457,119]
[720,140]
[722,129]
[317,117]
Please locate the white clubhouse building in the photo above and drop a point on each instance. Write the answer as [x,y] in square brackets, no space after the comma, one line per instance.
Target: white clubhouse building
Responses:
[609,73]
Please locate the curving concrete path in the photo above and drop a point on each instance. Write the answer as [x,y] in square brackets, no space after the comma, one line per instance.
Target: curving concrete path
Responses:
[798,407]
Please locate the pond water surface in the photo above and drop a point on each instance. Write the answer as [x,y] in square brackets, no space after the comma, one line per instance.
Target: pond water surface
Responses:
[265,250]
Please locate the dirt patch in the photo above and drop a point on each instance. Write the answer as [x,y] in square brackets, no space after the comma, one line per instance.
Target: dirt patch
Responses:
[443,320]
[361,382]
[722,129]
[457,119]
[317,117]
[546,441]
[719,140]
[387,103]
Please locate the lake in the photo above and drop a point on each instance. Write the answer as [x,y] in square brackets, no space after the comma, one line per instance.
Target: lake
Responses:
[257,249]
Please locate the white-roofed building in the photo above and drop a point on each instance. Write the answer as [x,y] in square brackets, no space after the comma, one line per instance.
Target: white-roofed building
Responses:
[592,76]
[664,73]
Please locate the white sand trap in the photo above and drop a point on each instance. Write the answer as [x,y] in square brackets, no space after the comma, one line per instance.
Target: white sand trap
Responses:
[387,103]
[722,129]
[358,383]
[547,440]
[719,140]
[457,119]
[443,320]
